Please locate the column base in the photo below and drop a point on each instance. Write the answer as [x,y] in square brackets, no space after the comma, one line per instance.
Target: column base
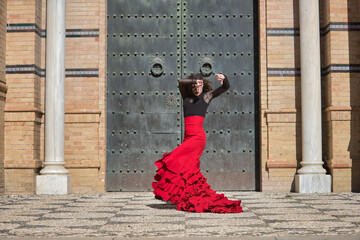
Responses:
[313,183]
[53,184]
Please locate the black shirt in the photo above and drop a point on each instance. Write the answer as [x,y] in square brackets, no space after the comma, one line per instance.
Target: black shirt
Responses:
[197,105]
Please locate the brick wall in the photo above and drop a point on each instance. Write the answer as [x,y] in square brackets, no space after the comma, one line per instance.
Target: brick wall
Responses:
[84,94]
[3,89]
[280,94]
[281,97]
[85,130]
[22,110]
[341,87]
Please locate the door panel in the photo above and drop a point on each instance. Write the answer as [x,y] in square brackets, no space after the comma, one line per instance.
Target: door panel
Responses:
[151,44]
[143,104]
[219,34]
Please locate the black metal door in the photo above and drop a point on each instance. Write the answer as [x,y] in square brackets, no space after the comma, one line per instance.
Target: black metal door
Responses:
[151,44]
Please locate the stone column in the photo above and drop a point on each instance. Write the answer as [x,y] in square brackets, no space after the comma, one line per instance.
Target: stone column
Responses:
[54,178]
[311,177]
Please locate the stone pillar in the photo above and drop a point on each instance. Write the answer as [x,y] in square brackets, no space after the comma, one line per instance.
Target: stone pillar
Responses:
[311,177]
[54,178]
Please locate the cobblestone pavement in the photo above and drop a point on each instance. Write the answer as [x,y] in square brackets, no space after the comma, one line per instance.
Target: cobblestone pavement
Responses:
[140,215]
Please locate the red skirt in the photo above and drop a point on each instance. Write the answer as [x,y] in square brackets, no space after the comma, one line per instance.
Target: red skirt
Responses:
[180,181]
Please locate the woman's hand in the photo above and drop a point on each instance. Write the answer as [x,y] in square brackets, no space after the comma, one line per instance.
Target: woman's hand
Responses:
[220,77]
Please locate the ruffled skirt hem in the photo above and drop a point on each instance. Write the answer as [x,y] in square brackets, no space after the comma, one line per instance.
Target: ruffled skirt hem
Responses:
[187,188]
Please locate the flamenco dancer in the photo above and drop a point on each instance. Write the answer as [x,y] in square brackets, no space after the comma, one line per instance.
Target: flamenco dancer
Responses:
[178,177]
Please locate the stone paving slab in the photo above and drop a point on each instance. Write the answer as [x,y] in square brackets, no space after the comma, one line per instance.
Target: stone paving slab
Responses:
[139,216]
[312,237]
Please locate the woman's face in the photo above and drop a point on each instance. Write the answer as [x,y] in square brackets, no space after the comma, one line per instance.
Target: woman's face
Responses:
[196,90]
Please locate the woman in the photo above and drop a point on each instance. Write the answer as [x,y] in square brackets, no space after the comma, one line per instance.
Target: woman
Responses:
[178,177]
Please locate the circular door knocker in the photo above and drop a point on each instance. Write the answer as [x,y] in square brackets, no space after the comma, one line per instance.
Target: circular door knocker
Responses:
[206,66]
[157,66]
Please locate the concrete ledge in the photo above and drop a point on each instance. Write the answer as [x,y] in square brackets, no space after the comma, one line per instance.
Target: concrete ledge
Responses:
[53,184]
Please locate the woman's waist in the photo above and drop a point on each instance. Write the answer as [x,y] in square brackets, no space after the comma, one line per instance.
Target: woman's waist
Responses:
[194,120]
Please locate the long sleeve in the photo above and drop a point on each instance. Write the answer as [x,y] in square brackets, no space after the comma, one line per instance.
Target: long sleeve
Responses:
[182,83]
[217,92]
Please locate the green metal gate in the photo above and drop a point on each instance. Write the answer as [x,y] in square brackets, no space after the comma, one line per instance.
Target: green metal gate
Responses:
[151,44]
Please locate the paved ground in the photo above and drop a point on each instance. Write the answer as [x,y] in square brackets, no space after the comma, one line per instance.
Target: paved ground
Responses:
[139,215]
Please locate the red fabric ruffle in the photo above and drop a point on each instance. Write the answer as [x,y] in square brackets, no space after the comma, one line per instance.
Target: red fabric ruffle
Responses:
[180,181]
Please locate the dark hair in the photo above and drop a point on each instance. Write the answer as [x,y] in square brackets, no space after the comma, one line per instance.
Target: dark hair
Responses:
[198,76]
